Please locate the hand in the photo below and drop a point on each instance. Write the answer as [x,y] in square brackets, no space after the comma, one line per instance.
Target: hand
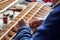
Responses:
[22,22]
[35,22]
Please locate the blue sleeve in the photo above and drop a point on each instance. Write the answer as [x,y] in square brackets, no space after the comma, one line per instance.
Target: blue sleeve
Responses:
[23,33]
[49,30]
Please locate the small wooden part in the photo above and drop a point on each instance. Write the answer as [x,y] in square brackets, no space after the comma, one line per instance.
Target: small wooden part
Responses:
[11,33]
[6,38]
[14,29]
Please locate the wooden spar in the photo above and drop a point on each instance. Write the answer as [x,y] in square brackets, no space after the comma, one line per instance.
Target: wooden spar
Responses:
[5,4]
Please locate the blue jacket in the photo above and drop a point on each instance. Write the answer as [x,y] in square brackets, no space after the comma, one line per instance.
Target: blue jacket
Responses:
[49,30]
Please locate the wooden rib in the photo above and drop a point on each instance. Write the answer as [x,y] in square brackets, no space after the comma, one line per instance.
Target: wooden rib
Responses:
[1,1]
[4,4]
[10,33]
[32,12]
[12,37]
[46,8]
[43,12]
[6,38]
[41,16]
[14,29]
[41,5]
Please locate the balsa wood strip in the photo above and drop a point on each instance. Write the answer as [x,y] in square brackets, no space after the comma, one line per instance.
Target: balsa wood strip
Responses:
[5,5]
[32,12]
[43,12]
[36,12]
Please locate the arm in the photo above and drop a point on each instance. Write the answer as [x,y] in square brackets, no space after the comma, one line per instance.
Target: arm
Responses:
[49,30]
[23,31]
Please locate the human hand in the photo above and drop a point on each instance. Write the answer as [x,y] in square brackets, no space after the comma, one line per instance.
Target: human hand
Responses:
[35,22]
[22,22]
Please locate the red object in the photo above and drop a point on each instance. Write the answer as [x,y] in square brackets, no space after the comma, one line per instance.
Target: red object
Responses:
[47,0]
[33,0]
[5,19]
